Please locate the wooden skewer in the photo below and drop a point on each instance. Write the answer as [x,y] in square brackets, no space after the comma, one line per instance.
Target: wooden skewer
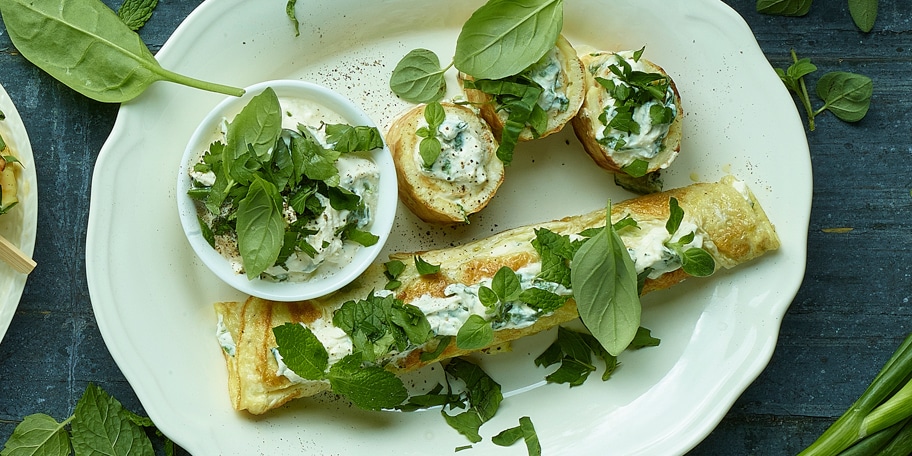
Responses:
[15,257]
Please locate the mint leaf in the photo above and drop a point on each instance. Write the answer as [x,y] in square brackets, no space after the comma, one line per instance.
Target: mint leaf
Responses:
[135,13]
[38,434]
[475,333]
[482,397]
[605,288]
[380,325]
[543,300]
[525,431]
[301,351]
[442,344]
[368,387]
[100,426]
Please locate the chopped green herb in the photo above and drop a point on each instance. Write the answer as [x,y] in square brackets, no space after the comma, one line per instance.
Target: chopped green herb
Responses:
[425,268]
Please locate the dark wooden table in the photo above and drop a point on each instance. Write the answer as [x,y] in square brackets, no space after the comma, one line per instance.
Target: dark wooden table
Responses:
[851,312]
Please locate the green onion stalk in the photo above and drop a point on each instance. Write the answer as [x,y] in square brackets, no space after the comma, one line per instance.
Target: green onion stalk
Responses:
[880,421]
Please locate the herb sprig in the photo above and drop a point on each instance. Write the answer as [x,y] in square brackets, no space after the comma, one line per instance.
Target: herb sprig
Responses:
[863,12]
[846,95]
[99,425]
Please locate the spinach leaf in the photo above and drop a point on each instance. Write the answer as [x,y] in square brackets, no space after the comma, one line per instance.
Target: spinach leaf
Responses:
[864,13]
[418,77]
[85,45]
[504,37]
[605,288]
[784,7]
[846,95]
[260,227]
[135,13]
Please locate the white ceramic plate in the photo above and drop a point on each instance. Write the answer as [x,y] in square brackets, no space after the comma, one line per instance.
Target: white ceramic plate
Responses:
[19,225]
[153,299]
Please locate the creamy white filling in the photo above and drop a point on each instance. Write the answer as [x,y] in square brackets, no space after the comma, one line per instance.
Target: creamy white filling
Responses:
[646,246]
[462,155]
[644,145]
[224,337]
[547,74]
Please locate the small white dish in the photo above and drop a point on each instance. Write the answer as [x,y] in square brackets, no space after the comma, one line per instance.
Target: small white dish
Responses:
[288,92]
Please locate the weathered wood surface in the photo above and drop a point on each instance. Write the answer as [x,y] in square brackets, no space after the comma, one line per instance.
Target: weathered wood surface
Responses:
[851,312]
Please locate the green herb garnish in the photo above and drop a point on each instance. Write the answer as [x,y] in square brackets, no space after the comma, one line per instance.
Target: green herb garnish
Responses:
[135,13]
[863,12]
[102,59]
[263,170]
[846,95]
[99,425]
[425,268]
[429,147]
[480,399]
[525,431]
[418,77]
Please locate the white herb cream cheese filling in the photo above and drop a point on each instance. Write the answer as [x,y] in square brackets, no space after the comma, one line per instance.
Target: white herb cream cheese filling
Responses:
[645,244]
[462,156]
[547,73]
[648,142]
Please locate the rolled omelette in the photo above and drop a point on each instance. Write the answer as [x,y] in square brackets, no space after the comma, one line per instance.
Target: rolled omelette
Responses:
[726,218]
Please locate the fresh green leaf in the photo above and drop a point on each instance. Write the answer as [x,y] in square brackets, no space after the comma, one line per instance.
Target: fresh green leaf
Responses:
[846,95]
[784,7]
[643,339]
[605,288]
[442,344]
[506,284]
[482,398]
[258,126]
[347,138]
[429,149]
[392,270]
[425,268]
[290,12]
[86,46]
[676,216]
[476,333]
[543,300]
[379,325]
[100,426]
[525,431]
[135,13]
[260,227]
[38,434]
[301,351]
[864,13]
[637,168]
[504,37]
[697,262]
[571,371]
[643,185]
[368,387]
[418,77]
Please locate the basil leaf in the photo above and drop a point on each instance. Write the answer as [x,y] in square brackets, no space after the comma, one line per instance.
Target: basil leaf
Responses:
[418,77]
[425,268]
[864,13]
[368,387]
[571,371]
[84,45]
[676,216]
[260,227]
[429,149]
[301,351]
[290,12]
[697,262]
[504,37]
[637,168]
[605,288]
[846,95]
[365,238]
[100,426]
[508,436]
[476,333]
[257,126]
[135,13]
[784,7]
